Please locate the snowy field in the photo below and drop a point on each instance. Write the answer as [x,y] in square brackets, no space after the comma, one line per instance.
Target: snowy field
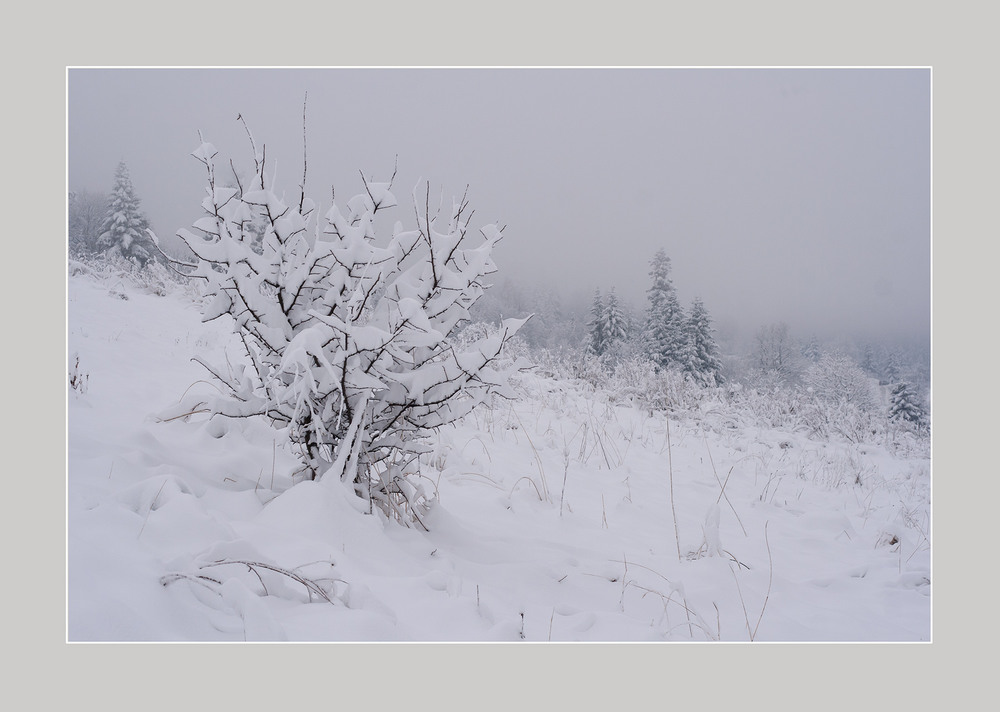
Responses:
[552,517]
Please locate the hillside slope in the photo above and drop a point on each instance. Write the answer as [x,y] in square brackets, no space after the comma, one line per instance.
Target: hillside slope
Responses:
[551,517]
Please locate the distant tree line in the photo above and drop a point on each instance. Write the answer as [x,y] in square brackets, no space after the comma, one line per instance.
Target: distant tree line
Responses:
[607,340]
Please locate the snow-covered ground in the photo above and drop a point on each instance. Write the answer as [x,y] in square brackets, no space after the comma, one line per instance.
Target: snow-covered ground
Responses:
[553,517]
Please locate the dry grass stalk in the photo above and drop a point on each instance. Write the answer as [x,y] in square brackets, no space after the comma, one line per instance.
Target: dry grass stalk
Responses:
[770,574]
[673,508]
[537,491]
[722,485]
[538,459]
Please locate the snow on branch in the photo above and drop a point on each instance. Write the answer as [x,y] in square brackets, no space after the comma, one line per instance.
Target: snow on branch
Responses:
[348,336]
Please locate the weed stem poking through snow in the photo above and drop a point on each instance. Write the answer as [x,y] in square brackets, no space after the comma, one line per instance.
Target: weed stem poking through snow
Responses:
[673,509]
[770,574]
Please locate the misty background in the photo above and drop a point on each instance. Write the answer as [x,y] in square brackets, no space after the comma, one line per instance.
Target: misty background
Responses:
[794,195]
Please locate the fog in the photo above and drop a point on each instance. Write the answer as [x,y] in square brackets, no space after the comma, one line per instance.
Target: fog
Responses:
[794,195]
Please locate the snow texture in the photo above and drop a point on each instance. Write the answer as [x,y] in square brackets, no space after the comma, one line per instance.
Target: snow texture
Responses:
[194,528]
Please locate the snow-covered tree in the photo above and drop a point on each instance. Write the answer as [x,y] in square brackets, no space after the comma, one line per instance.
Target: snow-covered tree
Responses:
[774,350]
[835,378]
[598,340]
[868,360]
[615,324]
[892,369]
[904,405]
[839,399]
[347,340]
[811,350]
[85,217]
[665,337]
[702,360]
[124,229]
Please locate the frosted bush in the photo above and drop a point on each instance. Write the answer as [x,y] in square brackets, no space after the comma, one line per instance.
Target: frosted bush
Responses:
[839,400]
[836,379]
[826,419]
[775,407]
[348,338]
[118,272]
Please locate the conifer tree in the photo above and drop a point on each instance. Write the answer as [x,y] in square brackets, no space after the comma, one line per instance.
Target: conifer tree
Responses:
[615,325]
[124,225]
[702,359]
[665,337]
[892,369]
[811,350]
[903,404]
[596,325]
[868,360]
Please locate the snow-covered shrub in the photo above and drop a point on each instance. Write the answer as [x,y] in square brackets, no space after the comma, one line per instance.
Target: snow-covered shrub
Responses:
[839,399]
[348,340]
[908,439]
[640,382]
[836,379]
[764,381]
[635,380]
[551,362]
[826,419]
[76,268]
[586,367]
[119,272]
[770,405]
[835,400]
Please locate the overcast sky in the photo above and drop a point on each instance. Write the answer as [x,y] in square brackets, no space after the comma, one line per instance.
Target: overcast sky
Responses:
[779,195]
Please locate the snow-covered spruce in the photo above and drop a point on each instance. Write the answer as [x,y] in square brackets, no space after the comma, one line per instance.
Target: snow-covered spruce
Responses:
[596,341]
[608,326]
[701,354]
[125,227]
[665,338]
[615,326]
[347,339]
[904,406]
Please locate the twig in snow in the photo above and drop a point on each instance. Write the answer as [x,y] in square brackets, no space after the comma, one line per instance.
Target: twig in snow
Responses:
[150,509]
[311,586]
